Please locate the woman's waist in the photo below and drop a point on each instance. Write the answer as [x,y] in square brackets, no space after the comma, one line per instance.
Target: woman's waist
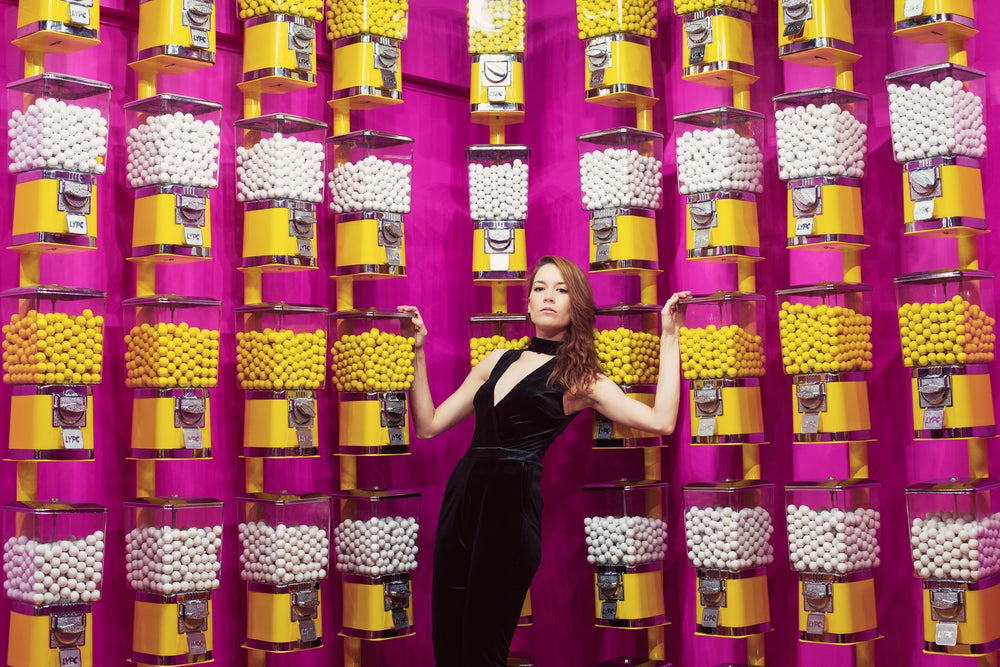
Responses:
[500,453]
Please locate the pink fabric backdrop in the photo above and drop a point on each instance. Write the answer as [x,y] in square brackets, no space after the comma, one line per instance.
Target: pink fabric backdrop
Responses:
[439,237]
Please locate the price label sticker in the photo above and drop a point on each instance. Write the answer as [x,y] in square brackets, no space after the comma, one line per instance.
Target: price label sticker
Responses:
[913,8]
[697,55]
[396,436]
[197,644]
[199,39]
[804,225]
[192,438]
[923,209]
[193,236]
[76,223]
[810,423]
[303,60]
[72,438]
[305,247]
[70,657]
[604,430]
[933,419]
[78,14]
[388,79]
[307,630]
[710,617]
[304,437]
[706,427]
[815,624]
[946,634]
[499,262]
[794,29]
[702,238]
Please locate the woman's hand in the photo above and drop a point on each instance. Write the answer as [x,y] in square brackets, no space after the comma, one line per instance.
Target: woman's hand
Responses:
[413,327]
[670,320]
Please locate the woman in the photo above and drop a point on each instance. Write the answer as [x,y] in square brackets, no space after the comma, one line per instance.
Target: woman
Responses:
[488,543]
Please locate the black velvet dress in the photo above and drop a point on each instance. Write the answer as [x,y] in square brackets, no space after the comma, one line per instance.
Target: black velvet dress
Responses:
[489,543]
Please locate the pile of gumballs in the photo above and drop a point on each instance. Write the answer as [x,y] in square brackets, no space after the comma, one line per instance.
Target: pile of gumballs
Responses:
[280,359]
[57,572]
[53,348]
[725,538]
[605,17]
[820,140]
[824,339]
[942,118]
[689,6]
[834,541]
[171,355]
[718,159]
[169,560]
[373,361]
[310,9]
[370,185]
[377,547]
[499,191]
[173,149]
[628,357]
[625,540]
[720,352]
[496,26]
[283,554]
[617,177]
[942,334]
[51,134]
[385,18]
[280,167]
[953,545]
[481,346]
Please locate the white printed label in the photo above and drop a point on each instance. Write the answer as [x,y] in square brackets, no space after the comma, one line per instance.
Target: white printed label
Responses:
[913,8]
[199,39]
[923,209]
[804,225]
[78,14]
[500,262]
[72,438]
[76,223]
[192,236]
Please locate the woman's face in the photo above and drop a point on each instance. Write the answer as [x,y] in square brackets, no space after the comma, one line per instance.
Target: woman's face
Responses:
[549,303]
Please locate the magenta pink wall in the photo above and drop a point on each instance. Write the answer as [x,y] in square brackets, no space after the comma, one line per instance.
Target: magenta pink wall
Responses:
[439,237]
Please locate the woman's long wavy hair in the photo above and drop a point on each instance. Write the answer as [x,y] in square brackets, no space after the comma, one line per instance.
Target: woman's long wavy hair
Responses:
[577,365]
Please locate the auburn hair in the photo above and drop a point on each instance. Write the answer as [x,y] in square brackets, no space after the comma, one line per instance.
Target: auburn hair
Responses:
[577,366]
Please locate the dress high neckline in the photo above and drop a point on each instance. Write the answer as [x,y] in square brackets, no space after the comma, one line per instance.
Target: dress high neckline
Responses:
[544,345]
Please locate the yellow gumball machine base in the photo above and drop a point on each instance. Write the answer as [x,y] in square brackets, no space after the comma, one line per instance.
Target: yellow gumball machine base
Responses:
[952,402]
[280,423]
[55,211]
[629,597]
[732,604]
[51,423]
[51,636]
[498,252]
[718,47]
[175,36]
[943,197]
[171,424]
[377,607]
[373,424]
[499,93]
[608,434]
[817,32]
[825,211]
[282,619]
[172,223]
[619,71]
[370,243]
[367,72]
[279,55]
[623,238]
[172,629]
[726,412]
[837,609]
[936,21]
[959,617]
[831,407]
[280,235]
[526,617]
[722,226]
[53,26]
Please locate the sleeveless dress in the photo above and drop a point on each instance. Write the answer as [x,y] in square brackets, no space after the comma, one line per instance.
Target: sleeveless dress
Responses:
[488,545]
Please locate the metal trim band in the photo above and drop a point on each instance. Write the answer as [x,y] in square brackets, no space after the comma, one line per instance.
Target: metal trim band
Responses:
[718,11]
[380,634]
[370,91]
[54,238]
[353,216]
[374,39]
[283,647]
[49,455]
[713,383]
[619,88]
[498,224]
[628,443]
[823,180]
[258,395]
[170,454]
[821,43]
[722,250]
[958,584]
[185,659]
[750,573]
[830,577]
[525,620]
[379,269]
[280,17]
[929,19]
[614,264]
[177,51]
[369,450]
[280,589]
[57,174]
[733,632]
[618,37]
[373,395]
[733,439]
[497,57]
[280,452]
[800,241]
[288,204]
[173,392]
[49,389]
[946,161]
[486,107]
[629,569]
[651,622]
[832,638]
[963,649]
[170,189]
[56,26]
[50,609]
[740,195]
[813,378]
[280,260]
[621,211]
[499,275]
[936,371]
[956,433]
[399,577]
[309,76]
[838,436]
[938,224]
[720,65]
[170,249]
[156,598]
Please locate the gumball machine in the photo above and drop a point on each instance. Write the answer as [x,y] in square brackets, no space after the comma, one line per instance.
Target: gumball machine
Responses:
[833,546]
[822,151]
[55,198]
[819,33]
[626,543]
[718,41]
[279,180]
[370,194]
[621,185]
[175,36]
[946,325]
[279,53]
[719,165]
[729,528]
[281,365]
[826,347]
[171,361]
[50,621]
[954,529]
[628,345]
[496,44]
[376,544]
[497,331]
[722,357]
[367,38]
[56,27]
[53,355]
[173,163]
[617,38]
[498,204]
[285,541]
[935,21]
[372,370]
[937,117]
[172,563]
